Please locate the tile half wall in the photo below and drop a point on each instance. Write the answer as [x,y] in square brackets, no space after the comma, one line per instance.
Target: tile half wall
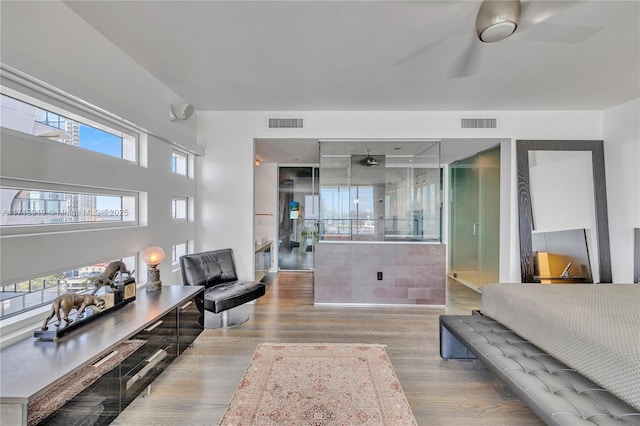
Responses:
[412,273]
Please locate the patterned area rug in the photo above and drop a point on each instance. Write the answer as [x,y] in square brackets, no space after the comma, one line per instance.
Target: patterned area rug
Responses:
[318,385]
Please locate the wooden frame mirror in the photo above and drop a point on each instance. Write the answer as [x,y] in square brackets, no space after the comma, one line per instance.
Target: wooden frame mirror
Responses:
[525,208]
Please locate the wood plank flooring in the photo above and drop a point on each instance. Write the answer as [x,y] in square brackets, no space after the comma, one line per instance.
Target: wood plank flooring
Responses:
[197,386]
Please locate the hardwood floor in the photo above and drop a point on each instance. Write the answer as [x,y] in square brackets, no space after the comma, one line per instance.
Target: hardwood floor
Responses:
[196,388]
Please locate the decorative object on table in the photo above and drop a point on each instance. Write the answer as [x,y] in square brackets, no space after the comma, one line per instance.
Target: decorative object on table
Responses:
[153,256]
[319,384]
[114,288]
[109,274]
[67,302]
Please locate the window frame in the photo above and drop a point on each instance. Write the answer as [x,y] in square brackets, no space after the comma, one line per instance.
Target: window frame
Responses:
[175,258]
[174,200]
[129,135]
[67,226]
[175,154]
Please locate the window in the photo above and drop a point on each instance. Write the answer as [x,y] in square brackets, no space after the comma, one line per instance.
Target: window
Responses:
[179,163]
[390,194]
[177,251]
[33,293]
[42,121]
[24,207]
[179,209]
[49,204]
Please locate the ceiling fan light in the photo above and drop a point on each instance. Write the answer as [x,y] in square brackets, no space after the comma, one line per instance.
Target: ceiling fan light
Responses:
[497,19]
[498,31]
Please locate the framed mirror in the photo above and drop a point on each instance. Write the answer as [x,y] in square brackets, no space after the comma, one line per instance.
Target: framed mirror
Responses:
[562,186]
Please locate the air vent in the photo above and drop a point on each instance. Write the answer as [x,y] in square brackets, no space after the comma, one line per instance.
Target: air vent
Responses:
[285,123]
[479,123]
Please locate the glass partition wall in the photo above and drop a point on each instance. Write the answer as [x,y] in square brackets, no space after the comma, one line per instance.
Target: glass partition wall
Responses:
[297,217]
[380,191]
[474,219]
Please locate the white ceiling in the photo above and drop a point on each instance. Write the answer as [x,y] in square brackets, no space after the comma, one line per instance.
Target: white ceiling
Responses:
[377,55]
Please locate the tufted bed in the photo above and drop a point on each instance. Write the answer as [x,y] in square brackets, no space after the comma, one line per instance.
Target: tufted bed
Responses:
[572,352]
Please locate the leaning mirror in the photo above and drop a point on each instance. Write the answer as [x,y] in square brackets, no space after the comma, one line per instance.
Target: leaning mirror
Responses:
[564,236]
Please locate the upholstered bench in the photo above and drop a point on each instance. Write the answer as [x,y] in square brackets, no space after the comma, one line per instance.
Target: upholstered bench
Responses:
[558,394]
[216,271]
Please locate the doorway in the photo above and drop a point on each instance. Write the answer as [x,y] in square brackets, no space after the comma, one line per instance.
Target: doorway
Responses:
[298,211]
[475,219]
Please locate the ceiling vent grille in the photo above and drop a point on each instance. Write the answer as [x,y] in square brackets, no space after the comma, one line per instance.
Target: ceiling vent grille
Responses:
[479,123]
[285,123]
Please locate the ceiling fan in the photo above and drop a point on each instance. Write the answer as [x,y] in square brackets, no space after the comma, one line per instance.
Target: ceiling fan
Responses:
[496,20]
[369,161]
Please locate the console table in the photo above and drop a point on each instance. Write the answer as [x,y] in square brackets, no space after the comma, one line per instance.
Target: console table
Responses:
[132,345]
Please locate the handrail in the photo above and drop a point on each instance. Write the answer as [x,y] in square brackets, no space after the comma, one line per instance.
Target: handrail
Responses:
[31,300]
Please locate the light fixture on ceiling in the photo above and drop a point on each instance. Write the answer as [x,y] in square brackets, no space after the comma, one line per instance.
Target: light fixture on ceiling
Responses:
[369,161]
[497,19]
[181,112]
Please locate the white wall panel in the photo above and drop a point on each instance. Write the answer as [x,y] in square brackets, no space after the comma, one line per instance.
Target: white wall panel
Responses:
[622,161]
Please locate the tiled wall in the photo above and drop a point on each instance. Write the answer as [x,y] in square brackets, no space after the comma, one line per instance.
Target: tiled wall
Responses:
[413,273]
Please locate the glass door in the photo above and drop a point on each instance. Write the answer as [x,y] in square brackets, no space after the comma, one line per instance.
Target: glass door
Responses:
[298,207]
[475,219]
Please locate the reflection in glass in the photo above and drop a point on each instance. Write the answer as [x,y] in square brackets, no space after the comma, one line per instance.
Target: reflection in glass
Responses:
[297,217]
[24,207]
[24,117]
[380,191]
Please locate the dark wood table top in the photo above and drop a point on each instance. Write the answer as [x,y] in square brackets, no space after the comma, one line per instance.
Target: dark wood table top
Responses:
[30,366]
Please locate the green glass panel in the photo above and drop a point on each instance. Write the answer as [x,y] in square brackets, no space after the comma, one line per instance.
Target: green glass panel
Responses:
[464,215]
[475,219]
[489,214]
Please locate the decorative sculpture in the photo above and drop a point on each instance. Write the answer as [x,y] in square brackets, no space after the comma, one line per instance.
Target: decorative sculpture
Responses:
[69,301]
[113,288]
[110,272]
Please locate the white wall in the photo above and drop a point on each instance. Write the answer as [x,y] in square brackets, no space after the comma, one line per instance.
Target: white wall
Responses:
[38,254]
[226,170]
[48,41]
[266,206]
[622,162]
[88,67]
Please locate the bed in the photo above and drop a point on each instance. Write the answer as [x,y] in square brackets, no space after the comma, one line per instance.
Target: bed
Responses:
[572,352]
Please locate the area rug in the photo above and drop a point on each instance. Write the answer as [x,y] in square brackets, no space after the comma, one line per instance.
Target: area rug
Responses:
[319,385]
